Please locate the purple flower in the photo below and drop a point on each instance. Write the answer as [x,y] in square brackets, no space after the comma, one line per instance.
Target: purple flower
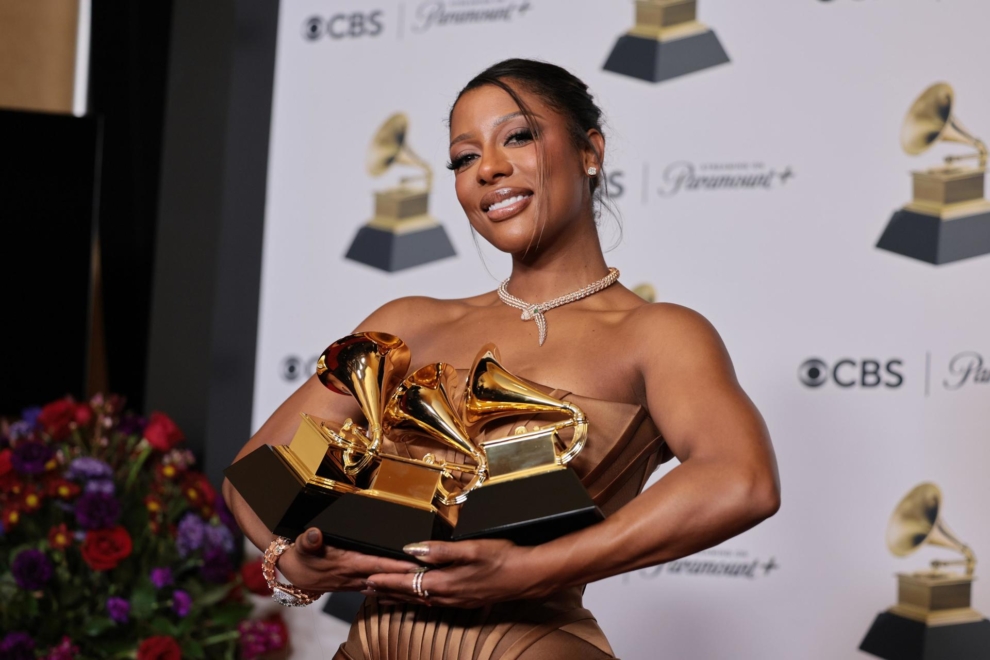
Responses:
[225,516]
[30,416]
[161,577]
[218,536]
[96,511]
[17,646]
[217,566]
[104,486]
[87,467]
[118,609]
[189,534]
[131,425]
[32,569]
[181,602]
[65,650]
[20,430]
[30,456]
[259,637]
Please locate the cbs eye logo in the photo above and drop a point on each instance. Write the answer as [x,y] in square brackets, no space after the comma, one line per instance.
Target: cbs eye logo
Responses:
[867,373]
[344,26]
[295,368]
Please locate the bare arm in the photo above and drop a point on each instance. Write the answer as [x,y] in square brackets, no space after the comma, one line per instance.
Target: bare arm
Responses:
[726,483]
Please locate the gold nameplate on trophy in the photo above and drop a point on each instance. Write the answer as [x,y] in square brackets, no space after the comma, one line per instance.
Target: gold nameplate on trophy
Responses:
[948,217]
[409,482]
[659,19]
[522,455]
[402,233]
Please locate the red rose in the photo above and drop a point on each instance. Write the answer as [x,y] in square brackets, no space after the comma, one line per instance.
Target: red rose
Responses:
[82,414]
[159,647]
[57,417]
[103,549]
[162,433]
[253,578]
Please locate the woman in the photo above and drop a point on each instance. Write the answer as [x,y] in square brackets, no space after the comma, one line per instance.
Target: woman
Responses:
[526,151]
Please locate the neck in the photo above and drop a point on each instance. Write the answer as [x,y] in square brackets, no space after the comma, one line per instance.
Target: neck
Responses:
[571,261]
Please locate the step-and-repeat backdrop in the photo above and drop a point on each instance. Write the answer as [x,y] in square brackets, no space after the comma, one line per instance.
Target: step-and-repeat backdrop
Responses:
[757,155]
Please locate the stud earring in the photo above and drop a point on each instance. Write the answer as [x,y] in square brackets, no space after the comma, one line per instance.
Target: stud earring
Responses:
[592,171]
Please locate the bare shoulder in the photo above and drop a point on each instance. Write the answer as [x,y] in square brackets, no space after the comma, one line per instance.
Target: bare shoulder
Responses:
[412,316]
[672,334]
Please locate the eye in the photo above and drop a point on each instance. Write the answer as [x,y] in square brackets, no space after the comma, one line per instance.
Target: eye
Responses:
[520,136]
[460,161]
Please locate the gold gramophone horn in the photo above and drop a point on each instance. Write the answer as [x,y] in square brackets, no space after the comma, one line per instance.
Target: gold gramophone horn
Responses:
[917,521]
[365,365]
[422,404]
[930,120]
[389,147]
[493,392]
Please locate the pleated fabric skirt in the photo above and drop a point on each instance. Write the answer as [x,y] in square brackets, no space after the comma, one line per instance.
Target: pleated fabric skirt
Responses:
[558,627]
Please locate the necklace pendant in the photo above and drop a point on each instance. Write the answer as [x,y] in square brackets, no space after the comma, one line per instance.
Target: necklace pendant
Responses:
[529,313]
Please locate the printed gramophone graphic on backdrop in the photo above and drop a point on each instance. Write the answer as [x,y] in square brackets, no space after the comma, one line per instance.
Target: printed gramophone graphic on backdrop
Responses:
[402,233]
[948,219]
[667,41]
[366,490]
[933,618]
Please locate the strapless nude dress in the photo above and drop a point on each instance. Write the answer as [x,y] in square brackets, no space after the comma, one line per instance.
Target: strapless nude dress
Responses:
[623,449]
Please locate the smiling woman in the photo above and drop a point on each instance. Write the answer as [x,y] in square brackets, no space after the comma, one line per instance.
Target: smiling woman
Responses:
[655,381]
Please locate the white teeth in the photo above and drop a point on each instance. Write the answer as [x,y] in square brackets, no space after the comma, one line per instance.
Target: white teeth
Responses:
[506,202]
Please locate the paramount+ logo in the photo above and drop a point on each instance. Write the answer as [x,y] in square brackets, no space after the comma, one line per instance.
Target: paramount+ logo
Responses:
[848,373]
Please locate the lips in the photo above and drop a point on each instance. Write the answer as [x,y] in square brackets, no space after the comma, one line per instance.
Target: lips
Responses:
[505,202]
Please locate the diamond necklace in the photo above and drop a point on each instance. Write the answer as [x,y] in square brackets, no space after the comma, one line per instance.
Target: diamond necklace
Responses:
[537,310]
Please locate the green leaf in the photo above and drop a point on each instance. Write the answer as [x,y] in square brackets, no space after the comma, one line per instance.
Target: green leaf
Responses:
[163,626]
[143,600]
[193,650]
[97,625]
[214,595]
[230,615]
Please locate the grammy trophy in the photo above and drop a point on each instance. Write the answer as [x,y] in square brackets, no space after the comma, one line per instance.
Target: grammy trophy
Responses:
[948,219]
[402,234]
[530,495]
[933,618]
[667,41]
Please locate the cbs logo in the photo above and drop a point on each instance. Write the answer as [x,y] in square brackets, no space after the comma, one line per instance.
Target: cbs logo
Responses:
[294,368]
[867,373]
[344,26]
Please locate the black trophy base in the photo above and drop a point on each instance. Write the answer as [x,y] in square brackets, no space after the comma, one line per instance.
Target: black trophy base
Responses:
[274,494]
[654,61]
[895,638]
[390,251]
[343,605]
[528,511]
[377,527]
[934,240]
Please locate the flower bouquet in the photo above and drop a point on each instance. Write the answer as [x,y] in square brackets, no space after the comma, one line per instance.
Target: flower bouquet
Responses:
[113,546]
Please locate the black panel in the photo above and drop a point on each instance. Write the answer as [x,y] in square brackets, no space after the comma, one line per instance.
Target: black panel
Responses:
[48,179]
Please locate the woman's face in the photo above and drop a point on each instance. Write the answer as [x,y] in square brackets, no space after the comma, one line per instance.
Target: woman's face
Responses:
[497,173]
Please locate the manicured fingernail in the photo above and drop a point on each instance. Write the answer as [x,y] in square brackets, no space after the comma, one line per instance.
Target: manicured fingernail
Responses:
[417,549]
[369,592]
[370,584]
[313,536]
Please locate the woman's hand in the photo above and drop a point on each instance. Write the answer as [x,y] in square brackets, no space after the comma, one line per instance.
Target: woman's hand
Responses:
[308,564]
[469,574]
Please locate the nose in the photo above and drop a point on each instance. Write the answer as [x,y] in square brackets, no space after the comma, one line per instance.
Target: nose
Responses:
[493,166]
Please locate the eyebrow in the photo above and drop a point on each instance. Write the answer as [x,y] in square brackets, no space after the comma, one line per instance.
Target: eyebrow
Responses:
[498,122]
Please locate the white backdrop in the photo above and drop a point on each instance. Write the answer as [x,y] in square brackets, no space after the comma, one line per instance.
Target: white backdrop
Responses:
[815,93]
